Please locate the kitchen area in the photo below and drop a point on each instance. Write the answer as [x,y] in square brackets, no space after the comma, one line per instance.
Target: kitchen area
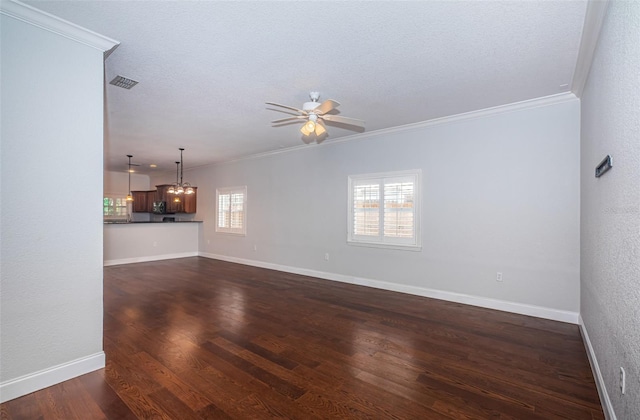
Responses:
[156,224]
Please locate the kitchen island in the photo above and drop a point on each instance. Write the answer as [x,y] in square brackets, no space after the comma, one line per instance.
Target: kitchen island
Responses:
[132,242]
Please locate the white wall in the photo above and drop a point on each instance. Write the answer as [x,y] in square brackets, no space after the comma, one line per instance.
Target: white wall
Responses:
[610,227]
[51,291]
[118,183]
[500,193]
[138,242]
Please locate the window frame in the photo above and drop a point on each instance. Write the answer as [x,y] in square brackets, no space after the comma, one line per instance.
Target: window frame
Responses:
[242,231]
[382,241]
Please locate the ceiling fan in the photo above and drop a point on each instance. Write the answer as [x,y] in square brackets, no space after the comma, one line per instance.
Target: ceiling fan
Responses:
[316,114]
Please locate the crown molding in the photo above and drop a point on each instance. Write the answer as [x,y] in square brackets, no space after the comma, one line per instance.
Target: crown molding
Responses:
[51,23]
[593,19]
[481,113]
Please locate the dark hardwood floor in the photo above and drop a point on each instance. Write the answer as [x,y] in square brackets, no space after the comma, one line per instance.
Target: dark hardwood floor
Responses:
[199,338]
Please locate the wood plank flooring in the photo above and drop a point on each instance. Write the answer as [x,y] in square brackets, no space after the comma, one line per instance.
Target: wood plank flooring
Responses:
[196,338]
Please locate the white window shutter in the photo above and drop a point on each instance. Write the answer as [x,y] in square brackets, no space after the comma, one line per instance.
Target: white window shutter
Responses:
[232,210]
[384,210]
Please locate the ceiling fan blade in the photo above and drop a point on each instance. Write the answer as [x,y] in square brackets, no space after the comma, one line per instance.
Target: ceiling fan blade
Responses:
[288,119]
[327,106]
[343,120]
[287,107]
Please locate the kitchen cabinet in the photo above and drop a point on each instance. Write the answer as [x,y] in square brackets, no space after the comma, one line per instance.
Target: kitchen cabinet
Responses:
[139,202]
[162,194]
[143,201]
[187,203]
[174,203]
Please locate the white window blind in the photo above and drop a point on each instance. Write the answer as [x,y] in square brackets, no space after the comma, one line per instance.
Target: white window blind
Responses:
[232,210]
[384,209]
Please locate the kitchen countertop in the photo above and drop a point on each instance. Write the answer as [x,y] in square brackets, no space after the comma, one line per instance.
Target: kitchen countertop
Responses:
[150,222]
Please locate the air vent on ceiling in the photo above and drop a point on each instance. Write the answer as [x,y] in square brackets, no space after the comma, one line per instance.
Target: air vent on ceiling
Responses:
[123,82]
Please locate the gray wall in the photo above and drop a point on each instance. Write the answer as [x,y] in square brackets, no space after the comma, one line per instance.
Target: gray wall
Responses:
[500,193]
[51,249]
[610,226]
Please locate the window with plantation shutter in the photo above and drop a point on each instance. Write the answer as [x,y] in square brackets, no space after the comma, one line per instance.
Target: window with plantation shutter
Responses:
[114,208]
[231,208]
[384,210]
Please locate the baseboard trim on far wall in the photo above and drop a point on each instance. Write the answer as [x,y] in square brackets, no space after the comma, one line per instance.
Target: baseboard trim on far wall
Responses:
[607,407]
[149,258]
[500,305]
[27,384]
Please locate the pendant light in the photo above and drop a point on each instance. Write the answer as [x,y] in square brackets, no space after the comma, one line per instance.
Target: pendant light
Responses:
[180,187]
[129,196]
[174,187]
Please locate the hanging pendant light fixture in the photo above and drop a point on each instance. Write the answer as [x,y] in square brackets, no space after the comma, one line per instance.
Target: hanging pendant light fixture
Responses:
[129,196]
[174,187]
[180,187]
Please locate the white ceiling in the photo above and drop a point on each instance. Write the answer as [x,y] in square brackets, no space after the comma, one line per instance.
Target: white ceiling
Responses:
[206,68]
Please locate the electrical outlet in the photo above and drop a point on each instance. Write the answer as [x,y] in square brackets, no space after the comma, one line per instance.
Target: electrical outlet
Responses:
[326,256]
[498,276]
[623,380]
[208,241]
[255,248]
[155,243]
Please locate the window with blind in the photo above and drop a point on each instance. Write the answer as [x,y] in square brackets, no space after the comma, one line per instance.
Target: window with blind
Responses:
[384,210]
[231,207]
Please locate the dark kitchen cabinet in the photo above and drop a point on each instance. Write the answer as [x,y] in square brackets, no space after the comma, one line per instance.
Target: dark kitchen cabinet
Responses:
[190,201]
[171,205]
[143,201]
[186,202]
[174,203]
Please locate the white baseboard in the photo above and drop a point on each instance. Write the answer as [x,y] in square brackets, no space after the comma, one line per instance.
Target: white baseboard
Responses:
[607,407]
[500,305]
[149,258]
[32,382]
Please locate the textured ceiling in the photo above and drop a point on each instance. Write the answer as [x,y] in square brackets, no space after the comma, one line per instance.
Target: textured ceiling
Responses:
[206,68]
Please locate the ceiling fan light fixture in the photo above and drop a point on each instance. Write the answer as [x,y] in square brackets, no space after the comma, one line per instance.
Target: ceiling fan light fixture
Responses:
[310,106]
[320,130]
[310,126]
[305,130]
[316,113]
